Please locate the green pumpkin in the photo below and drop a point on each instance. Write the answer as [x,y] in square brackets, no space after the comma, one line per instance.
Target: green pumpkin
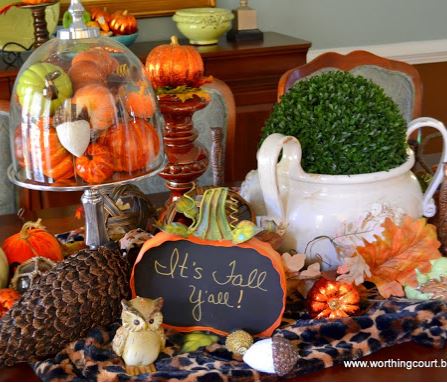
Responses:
[31,85]
[4,270]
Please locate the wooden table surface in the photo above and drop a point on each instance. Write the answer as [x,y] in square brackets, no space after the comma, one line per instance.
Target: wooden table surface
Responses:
[59,220]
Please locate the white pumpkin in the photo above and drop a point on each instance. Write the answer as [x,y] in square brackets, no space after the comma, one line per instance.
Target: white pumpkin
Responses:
[4,270]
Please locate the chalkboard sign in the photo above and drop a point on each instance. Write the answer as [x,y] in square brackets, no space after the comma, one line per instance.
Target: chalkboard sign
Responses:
[212,285]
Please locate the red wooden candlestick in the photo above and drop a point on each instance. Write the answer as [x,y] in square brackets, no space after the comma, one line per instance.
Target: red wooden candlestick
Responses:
[187,159]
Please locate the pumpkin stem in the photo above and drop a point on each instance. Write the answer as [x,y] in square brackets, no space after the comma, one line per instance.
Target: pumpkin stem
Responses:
[125,12]
[174,40]
[213,223]
[27,226]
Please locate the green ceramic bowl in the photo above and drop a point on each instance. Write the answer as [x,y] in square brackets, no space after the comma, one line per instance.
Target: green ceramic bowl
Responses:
[203,26]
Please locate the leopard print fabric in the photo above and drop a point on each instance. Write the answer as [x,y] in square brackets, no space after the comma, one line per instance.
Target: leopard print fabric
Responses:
[321,344]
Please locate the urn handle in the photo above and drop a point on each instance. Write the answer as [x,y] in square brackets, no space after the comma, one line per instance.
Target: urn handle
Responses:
[290,163]
[428,205]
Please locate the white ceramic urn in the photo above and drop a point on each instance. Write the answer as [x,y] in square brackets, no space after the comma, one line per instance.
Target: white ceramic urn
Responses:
[327,216]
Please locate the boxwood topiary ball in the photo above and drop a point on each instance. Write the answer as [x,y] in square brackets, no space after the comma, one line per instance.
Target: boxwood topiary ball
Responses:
[345,124]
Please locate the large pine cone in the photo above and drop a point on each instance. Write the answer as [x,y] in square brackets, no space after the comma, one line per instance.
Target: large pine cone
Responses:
[81,292]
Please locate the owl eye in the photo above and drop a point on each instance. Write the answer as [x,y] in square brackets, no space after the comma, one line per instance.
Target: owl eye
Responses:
[151,321]
[136,322]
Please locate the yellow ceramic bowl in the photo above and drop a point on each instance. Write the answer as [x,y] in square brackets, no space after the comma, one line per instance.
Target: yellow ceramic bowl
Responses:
[203,26]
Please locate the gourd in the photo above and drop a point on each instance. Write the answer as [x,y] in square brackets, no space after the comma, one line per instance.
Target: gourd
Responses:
[121,23]
[173,65]
[32,240]
[96,165]
[41,88]
[332,299]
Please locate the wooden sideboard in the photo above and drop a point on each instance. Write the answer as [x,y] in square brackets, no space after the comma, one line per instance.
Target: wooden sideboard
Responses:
[252,71]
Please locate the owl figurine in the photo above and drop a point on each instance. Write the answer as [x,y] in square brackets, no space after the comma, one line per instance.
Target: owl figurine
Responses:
[140,338]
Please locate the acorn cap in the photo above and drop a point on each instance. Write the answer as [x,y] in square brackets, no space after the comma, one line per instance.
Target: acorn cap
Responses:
[285,355]
[238,342]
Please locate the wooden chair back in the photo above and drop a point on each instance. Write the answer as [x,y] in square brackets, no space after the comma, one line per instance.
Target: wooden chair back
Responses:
[350,62]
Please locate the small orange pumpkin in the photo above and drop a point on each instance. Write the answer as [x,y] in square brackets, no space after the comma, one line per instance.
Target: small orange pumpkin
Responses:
[96,165]
[101,16]
[32,241]
[45,154]
[332,299]
[133,146]
[121,23]
[173,65]
[100,105]
[7,299]
[139,104]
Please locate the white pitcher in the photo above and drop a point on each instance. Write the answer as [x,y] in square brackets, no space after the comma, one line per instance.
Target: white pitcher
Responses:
[320,211]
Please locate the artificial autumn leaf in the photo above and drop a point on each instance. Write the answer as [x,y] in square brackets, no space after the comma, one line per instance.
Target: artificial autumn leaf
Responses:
[312,272]
[354,270]
[394,257]
[293,263]
[184,93]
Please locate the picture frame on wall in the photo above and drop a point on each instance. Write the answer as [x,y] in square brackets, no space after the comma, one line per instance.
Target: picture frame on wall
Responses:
[144,8]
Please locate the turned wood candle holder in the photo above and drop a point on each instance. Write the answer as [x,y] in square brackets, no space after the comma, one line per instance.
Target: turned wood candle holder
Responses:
[187,158]
[41,35]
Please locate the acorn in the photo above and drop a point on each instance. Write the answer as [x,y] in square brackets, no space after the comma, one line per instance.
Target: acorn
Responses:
[272,355]
[238,342]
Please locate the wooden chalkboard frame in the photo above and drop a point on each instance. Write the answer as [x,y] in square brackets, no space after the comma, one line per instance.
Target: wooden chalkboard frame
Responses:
[263,248]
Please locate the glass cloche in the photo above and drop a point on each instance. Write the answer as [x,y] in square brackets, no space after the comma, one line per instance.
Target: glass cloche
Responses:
[83,114]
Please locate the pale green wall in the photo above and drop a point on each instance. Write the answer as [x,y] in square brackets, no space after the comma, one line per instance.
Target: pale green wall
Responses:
[335,23]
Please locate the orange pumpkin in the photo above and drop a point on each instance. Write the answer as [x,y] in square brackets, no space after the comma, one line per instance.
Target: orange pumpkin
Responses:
[104,61]
[34,1]
[96,165]
[100,105]
[332,299]
[121,23]
[7,299]
[45,154]
[132,146]
[32,241]
[101,16]
[139,104]
[173,65]
[86,72]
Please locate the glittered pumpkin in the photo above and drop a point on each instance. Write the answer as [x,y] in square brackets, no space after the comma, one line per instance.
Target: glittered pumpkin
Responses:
[7,299]
[332,299]
[121,23]
[133,146]
[99,103]
[173,65]
[96,165]
[45,156]
[32,240]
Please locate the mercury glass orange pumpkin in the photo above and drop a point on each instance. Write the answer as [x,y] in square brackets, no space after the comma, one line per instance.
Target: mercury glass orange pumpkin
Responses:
[96,165]
[32,240]
[7,299]
[173,65]
[332,299]
[121,23]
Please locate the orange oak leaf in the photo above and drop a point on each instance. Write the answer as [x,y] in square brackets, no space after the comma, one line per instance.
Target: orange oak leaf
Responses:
[394,257]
